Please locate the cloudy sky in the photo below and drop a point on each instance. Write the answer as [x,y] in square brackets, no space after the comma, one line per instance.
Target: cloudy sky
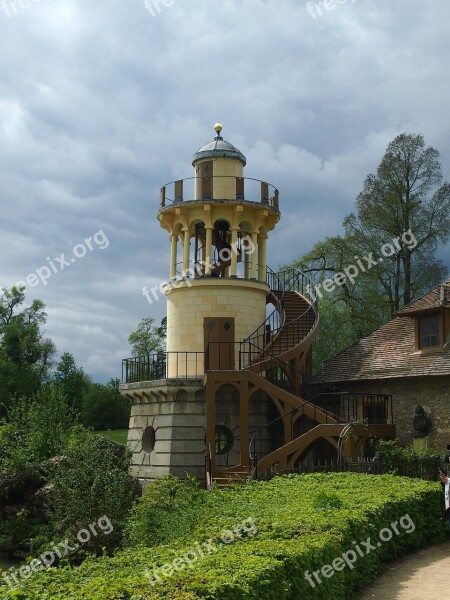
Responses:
[103,102]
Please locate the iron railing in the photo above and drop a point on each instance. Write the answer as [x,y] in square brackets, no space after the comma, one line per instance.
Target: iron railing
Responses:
[343,407]
[369,465]
[194,189]
[163,365]
[262,344]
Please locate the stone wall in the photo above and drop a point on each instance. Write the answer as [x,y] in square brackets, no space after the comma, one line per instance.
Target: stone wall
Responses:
[175,411]
[432,393]
[167,430]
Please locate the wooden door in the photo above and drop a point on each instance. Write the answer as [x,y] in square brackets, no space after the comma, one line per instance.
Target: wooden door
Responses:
[206,174]
[219,343]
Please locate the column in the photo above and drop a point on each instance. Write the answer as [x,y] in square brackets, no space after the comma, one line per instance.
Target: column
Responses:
[234,234]
[254,255]
[208,257]
[262,256]
[246,265]
[186,248]
[173,255]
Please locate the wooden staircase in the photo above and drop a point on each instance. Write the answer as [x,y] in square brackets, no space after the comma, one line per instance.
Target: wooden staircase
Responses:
[232,475]
[275,355]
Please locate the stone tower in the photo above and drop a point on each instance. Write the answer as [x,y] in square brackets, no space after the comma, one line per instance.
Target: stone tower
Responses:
[218,223]
[233,395]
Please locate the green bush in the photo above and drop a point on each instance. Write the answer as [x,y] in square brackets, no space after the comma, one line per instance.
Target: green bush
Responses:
[293,537]
[37,429]
[327,501]
[92,481]
[406,461]
[169,509]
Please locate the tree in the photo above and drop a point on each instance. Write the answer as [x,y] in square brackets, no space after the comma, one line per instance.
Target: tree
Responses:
[386,258]
[92,485]
[73,381]
[105,408]
[25,355]
[39,426]
[406,195]
[337,330]
[148,339]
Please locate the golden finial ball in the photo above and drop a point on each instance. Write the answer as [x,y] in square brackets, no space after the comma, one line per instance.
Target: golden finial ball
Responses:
[218,127]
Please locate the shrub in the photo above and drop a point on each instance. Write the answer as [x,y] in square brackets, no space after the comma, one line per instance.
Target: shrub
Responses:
[169,509]
[293,537]
[327,501]
[406,461]
[91,482]
[37,429]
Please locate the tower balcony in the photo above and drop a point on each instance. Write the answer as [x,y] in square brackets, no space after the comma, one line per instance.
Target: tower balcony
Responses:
[221,189]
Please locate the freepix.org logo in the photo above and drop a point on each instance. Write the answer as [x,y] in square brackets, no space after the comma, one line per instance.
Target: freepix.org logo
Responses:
[362,265]
[348,559]
[247,247]
[12,577]
[60,263]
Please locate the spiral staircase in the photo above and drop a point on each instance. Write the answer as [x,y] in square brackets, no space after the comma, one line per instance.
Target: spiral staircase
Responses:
[276,359]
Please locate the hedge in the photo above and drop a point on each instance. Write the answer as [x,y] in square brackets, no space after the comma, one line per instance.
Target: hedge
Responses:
[303,523]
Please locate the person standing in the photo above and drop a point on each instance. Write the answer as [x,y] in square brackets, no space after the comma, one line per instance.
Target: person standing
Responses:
[446,485]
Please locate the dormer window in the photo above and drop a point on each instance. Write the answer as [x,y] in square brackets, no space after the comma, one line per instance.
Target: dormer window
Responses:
[430,331]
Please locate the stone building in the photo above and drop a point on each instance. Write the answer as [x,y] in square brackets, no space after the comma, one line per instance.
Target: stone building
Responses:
[409,358]
[227,399]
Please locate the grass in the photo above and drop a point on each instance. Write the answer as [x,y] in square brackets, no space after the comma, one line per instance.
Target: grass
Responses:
[118,435]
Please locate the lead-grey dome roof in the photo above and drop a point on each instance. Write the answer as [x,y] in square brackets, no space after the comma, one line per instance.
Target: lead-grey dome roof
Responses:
[218,148]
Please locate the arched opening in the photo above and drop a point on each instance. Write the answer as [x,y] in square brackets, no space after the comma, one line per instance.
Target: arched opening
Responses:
[198,249]
[317,455]
[200,396]
[221,249]
[227,418]
[266,428]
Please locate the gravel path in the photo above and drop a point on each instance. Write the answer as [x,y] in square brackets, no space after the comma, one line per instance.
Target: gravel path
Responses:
[419,576]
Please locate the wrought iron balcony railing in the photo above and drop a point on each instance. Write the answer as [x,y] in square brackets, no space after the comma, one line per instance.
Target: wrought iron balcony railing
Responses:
[219,188]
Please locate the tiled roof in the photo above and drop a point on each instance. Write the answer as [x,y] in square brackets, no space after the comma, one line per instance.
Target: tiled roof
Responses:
[437,298]
[387,352]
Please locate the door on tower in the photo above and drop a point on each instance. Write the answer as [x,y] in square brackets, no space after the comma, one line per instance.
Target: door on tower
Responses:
[205,173]
[219,343]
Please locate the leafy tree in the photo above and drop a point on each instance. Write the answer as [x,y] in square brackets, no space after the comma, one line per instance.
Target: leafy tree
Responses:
[92,482]
[169,509]
[148,339]
[402,216]
[336,330]
[73,381]
[406,194]
[105,408]
[25,355]
[37,428]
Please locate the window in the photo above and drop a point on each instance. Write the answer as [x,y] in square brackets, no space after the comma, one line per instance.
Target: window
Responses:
[148,440]
[429,331]
[224,439]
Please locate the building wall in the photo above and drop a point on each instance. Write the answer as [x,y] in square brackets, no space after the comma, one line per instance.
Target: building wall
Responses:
[176,410]
[432,393]
[188,306]
[224,171]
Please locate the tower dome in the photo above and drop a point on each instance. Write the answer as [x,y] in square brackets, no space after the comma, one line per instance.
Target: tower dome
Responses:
[218,148]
